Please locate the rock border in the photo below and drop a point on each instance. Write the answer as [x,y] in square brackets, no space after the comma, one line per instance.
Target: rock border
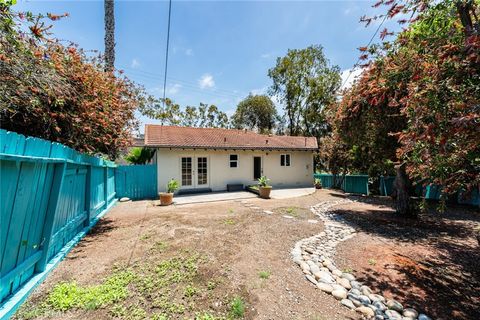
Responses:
[314,255]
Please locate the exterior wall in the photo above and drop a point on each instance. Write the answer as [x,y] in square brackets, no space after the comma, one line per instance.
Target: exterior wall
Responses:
[298,174]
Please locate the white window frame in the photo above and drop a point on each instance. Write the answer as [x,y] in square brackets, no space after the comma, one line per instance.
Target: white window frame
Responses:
[230,161]
[285,160]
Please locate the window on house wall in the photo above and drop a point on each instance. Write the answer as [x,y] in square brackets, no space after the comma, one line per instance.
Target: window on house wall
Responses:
[285,160]
[233,160]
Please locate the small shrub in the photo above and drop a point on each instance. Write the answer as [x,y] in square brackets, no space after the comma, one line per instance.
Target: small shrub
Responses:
[264,274]
[190,291]
[237,308]
[372,261]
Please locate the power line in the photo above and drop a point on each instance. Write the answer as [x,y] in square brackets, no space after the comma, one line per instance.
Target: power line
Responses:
[191,86]
[166,51]
[369,42]
[156,76]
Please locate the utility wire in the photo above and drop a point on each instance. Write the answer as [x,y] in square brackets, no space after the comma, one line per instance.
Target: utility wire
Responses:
[166,51]
[369,42]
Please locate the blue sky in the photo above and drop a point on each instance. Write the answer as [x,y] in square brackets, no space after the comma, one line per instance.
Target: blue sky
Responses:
[219,50]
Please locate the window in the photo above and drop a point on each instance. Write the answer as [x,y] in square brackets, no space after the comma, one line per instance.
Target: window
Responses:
[233,160]
[285,160]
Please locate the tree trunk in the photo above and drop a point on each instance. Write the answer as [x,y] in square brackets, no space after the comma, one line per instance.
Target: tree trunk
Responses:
[401,191]
[109,35]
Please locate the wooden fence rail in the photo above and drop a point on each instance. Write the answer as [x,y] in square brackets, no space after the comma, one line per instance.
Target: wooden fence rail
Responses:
[49,193]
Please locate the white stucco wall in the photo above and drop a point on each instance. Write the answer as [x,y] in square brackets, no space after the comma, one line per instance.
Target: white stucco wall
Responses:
[298,174]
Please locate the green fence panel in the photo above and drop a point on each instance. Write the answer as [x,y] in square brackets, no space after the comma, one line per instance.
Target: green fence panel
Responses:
[136,181]
[326,179]
[350,184]
[386,185]
[47,193]
[356,184]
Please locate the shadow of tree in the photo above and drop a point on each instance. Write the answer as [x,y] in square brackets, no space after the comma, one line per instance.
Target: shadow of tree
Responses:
[445,283]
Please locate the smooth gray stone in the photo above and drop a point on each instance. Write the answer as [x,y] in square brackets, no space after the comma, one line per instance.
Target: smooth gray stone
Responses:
[364,299]
[366,290]
[355,291]
[394,305]
[423,316]
[348,303]
[393,315]
[356,284]
[410,313]
[379,305]
[348,276]
[311,279]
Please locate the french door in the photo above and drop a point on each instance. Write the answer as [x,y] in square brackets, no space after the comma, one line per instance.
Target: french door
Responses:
[194,172]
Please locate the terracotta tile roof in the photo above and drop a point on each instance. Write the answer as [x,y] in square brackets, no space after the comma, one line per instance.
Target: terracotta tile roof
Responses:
[214,138]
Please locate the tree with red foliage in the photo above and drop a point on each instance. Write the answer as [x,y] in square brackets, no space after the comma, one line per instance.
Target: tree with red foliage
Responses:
[56,92]
[418,100]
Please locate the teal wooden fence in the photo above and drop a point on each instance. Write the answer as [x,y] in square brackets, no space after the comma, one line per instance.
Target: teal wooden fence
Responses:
[49,193]
[136,181]
[351,183]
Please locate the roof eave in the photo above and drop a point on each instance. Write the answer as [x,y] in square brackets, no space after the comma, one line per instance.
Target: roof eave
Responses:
[312,149]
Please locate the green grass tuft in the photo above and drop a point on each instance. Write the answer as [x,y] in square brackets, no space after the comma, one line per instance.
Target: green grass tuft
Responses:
[237,308]
[69,295]
[264,274]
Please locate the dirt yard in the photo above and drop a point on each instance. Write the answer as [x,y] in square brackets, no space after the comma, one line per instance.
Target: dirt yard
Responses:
[227,260]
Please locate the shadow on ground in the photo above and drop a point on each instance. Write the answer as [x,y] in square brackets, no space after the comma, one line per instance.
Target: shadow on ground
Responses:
[436,257]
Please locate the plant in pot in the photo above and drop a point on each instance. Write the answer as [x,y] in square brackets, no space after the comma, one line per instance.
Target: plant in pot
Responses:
[318,183]
[264,188]
[166,198]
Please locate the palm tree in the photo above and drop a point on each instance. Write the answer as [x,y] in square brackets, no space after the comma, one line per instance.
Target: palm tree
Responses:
[109,35]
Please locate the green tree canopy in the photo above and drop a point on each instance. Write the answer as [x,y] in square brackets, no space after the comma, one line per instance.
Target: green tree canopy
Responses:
[305,83]
[170,113]
[255,112]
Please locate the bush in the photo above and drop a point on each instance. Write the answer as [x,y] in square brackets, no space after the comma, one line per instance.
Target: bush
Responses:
[57,93]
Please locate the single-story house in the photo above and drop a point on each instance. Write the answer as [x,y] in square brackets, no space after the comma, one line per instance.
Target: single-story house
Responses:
[212,158]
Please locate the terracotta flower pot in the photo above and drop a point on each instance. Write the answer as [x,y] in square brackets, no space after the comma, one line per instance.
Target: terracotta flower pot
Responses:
[264,192]
[166,198]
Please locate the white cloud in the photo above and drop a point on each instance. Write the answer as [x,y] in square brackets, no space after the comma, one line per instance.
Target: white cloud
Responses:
[259,91]
[135,64]
[266,55]
[206,81]
[348,79]
[174,89]
[189,52]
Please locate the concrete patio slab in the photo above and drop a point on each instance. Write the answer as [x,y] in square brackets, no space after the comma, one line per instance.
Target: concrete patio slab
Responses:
[213,196]
[241,195]
[291,192]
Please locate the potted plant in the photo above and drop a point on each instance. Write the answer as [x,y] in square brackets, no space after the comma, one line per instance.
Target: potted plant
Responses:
[264,188]
[166,198]
[318,183]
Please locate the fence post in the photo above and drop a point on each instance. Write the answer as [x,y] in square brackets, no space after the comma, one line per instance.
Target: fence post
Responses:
[58,177]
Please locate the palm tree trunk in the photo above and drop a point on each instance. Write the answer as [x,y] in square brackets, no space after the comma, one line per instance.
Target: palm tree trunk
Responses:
[109,35]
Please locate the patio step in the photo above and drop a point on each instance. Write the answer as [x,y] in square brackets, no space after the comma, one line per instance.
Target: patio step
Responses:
[194,191]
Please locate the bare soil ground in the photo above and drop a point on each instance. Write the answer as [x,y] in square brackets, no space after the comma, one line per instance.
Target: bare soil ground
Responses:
[182,262]
[431,263]
[220,247]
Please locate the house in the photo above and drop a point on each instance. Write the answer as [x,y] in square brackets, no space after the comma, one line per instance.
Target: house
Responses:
[212,158]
